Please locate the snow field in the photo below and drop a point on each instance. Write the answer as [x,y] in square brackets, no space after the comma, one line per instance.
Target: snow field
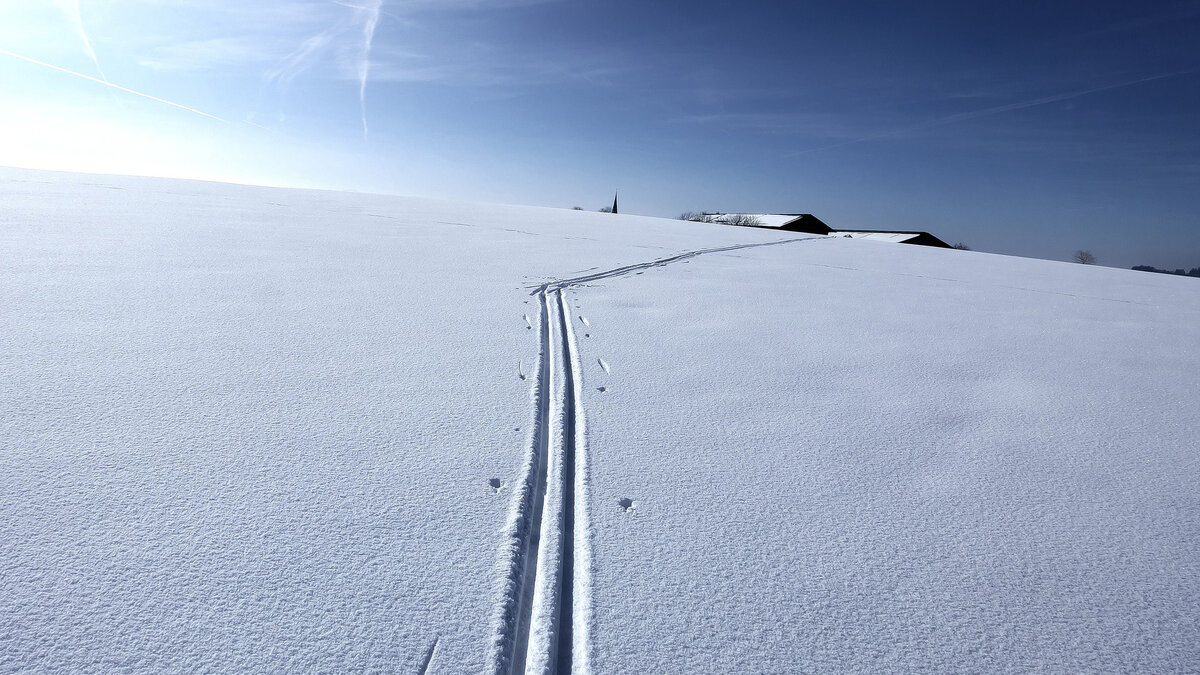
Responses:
[246,429]
[837,456]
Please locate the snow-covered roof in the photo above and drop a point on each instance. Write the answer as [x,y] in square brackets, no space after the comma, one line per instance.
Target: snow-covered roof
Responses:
[897,237]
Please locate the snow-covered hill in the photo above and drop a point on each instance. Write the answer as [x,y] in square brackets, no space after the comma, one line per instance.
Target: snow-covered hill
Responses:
[249,430]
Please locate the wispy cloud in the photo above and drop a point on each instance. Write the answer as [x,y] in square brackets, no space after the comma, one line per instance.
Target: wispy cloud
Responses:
[822,124]
[481,64]
[303,56]
[352,33]
[71,8]
[411,6]
[106,83]
[200,55]
[364,64]
[286,42]
[1156,16]
[996,110]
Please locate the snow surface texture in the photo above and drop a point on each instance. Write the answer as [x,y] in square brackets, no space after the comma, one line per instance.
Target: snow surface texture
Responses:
[248,430]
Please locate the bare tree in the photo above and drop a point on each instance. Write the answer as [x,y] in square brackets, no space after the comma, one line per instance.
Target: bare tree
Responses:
[576,208]
[605,209]
[961,246]
[723,218]
[741,219]
[1084,257]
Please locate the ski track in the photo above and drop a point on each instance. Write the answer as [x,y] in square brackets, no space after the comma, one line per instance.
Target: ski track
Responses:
[566,614]
[543,619]
[542,605]
[429,657]
[523,530]
[559,284]
[582,562]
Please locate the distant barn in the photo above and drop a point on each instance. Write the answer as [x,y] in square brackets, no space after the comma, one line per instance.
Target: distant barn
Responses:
[807,222]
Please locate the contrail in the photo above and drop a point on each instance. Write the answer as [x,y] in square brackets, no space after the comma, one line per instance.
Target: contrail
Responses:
[71,7]
[364,63]
[118,87]
[951,119]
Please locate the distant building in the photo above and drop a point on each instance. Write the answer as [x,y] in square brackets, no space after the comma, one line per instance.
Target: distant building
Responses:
[807,222]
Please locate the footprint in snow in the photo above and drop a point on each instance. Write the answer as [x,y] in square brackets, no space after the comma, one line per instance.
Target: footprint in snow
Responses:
[528,325]
[603,364]
[601,389]
[584,320]
[496,484]
[626,504]
[521,370]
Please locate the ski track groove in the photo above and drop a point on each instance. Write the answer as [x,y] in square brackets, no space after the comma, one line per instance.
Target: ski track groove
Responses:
[523,530]
[424,670]
[566,612]
[543,620]
[581,597]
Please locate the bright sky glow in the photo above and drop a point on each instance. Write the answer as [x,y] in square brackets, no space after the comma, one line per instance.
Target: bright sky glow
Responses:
[1029,130]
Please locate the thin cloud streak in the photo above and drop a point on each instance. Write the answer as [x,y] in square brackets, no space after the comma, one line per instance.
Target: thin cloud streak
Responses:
[71,8]
[364,64]
[106,83]
[974,114]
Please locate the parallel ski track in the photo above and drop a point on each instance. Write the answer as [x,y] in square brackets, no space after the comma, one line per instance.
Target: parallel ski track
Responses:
[559,284]
[538,619]
[542,620]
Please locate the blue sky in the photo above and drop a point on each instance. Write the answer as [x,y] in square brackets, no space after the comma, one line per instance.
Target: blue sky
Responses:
[1028,128]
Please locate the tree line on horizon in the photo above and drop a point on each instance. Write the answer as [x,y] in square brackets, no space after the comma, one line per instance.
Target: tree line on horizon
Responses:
[1194,272]
[723,218]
